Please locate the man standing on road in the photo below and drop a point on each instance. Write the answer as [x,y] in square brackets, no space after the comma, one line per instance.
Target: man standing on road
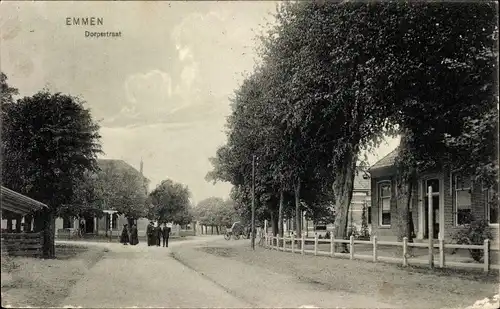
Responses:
[149,233]
[166,235]
[134,239]
[158,235]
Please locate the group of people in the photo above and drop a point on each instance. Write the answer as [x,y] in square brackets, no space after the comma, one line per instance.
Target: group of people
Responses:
[154,233]
[157,233]
[129,236]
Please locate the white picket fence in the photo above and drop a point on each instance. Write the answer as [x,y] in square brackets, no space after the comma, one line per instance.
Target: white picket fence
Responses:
[280,244]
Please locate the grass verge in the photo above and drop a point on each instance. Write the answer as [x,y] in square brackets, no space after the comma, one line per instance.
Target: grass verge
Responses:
[45,283]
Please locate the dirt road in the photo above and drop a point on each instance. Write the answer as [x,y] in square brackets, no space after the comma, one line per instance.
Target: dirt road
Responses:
[145,276]
[150,277]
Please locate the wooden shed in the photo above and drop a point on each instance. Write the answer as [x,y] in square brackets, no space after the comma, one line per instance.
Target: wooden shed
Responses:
[20,240]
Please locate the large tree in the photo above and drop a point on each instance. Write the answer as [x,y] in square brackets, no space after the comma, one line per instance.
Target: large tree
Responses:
[49,143]
[170,203]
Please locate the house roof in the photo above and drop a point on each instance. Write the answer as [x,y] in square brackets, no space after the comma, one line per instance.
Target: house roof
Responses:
[386,161]
[18,203]
[118,164]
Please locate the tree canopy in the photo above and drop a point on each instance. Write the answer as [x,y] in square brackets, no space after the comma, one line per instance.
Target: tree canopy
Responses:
[215,211]
[49,143]
[170,203]
[335,78]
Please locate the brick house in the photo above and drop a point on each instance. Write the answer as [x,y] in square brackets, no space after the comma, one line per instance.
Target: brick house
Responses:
[455,196]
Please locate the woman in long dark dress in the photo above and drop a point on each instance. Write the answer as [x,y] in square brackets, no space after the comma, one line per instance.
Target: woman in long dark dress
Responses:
[124,239]
[134,239]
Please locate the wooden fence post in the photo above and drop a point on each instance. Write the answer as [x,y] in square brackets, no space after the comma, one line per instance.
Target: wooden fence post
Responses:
[441,253]
[302,242]
[486,255]
[332,245]
[405,251]
[293,242]
[430,233]
[375,248]
[351,247]
[315,243]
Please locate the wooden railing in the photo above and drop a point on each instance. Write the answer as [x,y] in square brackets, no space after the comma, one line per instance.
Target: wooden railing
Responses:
[291,244]
[22,244]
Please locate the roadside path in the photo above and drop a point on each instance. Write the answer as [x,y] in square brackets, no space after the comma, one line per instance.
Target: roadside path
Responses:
[264,288]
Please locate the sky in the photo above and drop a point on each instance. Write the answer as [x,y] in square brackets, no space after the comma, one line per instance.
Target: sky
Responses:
[160,91]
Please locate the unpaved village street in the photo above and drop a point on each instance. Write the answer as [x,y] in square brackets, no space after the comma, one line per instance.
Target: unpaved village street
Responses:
[145,276]
[150,277]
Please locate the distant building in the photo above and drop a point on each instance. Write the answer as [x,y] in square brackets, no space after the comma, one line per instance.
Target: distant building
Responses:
[111,221]
[361,195]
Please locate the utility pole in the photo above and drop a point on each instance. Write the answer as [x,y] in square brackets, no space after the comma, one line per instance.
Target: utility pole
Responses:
[253,202]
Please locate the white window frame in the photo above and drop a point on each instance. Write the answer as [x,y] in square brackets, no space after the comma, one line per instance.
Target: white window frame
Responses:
[455,198]
[380,205]
[486,192]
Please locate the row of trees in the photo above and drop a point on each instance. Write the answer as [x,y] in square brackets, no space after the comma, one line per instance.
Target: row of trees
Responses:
[50,144]
[336,78]
[216,212]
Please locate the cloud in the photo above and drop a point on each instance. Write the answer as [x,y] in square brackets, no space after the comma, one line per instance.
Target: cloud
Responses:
[219,55]
[150,96]
[154,86]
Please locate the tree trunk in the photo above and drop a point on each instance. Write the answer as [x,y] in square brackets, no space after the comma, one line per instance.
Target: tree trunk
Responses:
[274,222]
[211,229]
[217,229]
[298,225]
[280,213]
[45,222]
[404,201]
[342,187]
[96,227]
